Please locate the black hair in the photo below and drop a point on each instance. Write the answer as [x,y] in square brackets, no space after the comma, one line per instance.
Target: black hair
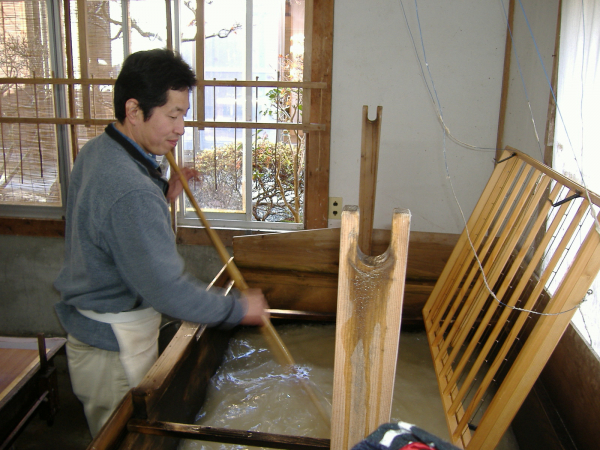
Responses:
[147,76]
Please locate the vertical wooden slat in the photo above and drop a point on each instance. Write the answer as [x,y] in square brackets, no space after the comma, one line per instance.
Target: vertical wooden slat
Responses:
[318,142]
[1,113]
[126,20]
[505,80]
[169,18]
[39,138]
[20,132]
[5,169]
[370,293]
[551,115]
[70,75]
[200,33]
[369,159]
[83,56]
[307,61]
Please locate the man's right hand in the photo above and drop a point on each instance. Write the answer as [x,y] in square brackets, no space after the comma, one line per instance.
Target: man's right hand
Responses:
[257,307]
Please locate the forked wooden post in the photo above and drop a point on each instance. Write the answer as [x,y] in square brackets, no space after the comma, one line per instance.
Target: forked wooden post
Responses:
[369,310]
[369,161]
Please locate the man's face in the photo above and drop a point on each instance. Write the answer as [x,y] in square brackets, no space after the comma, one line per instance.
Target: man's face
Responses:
[161,132]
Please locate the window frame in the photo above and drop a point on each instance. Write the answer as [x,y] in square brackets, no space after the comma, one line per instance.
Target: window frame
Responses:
[319,35]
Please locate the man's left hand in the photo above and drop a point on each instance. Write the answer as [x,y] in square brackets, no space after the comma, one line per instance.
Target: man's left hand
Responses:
[175,185]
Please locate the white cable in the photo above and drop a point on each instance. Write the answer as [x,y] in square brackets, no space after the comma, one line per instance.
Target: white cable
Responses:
[445,129]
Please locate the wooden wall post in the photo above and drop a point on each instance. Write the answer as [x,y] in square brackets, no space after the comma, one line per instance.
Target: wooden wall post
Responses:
[369,310]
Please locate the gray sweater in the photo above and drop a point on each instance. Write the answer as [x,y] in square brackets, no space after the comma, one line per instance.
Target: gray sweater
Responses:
[120,251]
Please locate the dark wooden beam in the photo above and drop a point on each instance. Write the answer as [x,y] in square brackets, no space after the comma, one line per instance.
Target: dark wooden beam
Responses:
[32,227]
[318,142]
[227,436]
[572,379]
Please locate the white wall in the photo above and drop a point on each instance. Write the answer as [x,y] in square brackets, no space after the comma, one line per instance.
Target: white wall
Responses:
[374,63]
[534,31]
[30,264]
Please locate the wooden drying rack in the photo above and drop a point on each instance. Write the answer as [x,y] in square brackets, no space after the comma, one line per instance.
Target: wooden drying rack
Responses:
[487,354]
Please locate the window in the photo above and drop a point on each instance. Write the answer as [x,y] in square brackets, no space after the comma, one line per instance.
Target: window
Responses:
[577,135]
[258,123]
[30,162]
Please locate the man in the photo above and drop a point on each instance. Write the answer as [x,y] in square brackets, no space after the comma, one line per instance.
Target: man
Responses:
[121,266]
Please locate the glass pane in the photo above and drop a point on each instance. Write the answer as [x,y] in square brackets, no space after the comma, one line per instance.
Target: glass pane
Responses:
[225,39]
[278,177]
[29,162]
[148,24]
[220,185]
[259,40]
[106,31]
[577,135]
[105,55]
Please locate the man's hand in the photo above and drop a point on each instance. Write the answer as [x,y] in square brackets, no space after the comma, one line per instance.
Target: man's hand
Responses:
[257,307]
[175,184]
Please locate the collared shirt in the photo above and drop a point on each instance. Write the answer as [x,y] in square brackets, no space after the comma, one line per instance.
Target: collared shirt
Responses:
[148,156]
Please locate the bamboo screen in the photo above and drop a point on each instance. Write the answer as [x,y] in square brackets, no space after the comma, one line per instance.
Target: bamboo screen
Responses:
[536,240]
[44,103]
[29,158]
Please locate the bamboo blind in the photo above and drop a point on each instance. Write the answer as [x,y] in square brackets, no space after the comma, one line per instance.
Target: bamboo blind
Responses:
[535,237]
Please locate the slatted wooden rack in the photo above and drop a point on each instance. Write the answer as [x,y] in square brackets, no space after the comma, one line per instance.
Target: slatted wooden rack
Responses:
[535,237]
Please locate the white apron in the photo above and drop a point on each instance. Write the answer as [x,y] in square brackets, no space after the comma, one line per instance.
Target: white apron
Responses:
[137,335]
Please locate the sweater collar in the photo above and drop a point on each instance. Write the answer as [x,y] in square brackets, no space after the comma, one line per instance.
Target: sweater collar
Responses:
[138,154]
[135,151]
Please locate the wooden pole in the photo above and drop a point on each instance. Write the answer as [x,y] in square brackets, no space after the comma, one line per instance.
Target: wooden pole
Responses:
[505,79]
[269,332]
[369,161]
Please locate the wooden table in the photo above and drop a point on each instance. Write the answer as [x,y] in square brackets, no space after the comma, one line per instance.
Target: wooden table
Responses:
[27,383]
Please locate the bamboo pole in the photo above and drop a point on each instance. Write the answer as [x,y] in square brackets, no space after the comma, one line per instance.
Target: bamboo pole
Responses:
[268,331]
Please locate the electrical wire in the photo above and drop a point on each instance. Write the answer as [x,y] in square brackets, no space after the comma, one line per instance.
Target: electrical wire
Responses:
[537,136]
[587,193]
[435,98]
[436,108]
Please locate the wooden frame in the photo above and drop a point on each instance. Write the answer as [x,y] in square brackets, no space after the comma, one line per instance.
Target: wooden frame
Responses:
[318,105]
[496,346]
[299,270]
[158,412]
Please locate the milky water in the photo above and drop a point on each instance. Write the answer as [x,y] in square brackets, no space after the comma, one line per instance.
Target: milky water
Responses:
[251,391]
